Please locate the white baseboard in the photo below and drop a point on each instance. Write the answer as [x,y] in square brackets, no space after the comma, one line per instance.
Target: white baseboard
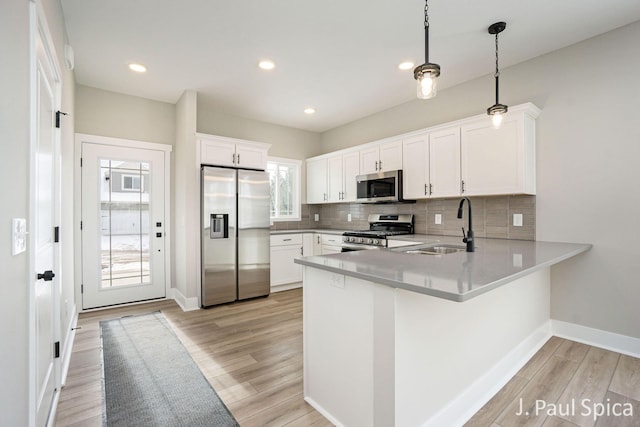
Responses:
[597,338]
[286,287]
[186,304]
[68,346]
[322,411]
[482,390]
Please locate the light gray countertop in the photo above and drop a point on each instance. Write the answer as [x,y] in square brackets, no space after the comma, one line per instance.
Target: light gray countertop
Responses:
[456,276]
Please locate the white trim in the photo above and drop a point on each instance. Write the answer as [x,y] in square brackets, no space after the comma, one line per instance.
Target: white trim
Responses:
[68,346]
[186,304]
[121,142]
[463,407]
[596,337]
[324,413]
[259,144]
[286,287]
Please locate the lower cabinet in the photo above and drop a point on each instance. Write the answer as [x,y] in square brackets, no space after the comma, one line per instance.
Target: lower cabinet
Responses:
[285,274]
[331,243]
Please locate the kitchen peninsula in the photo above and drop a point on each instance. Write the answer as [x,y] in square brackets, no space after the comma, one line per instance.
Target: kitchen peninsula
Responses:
[393,338]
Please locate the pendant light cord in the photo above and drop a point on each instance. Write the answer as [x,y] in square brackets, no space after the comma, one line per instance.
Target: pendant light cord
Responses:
[426,32]
[497,74]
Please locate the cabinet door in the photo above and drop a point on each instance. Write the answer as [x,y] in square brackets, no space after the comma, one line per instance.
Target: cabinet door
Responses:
[391,156]
[369,160]
[329,249]
[217,153]
[249,156]
[283,269]
[415,178]
[317,180]
[334,178]
[307,244]
[493,159]
[444,163]
[350,170]
[317,244]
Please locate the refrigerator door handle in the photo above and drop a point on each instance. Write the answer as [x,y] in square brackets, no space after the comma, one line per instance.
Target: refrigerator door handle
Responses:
[219,226]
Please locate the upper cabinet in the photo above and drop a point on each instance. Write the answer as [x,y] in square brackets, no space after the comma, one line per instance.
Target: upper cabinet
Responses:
[432,164]
[467,157]
[500,161]
[222,151]
[317,191]
[332,179]
[382,157]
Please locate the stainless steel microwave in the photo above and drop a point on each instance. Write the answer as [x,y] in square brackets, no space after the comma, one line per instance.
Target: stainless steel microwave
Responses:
[380,187]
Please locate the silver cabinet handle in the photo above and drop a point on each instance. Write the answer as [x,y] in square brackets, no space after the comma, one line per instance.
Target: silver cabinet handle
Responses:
[233,158]
[463,185]
[301,251]
[430,189]
[286,240]
[238,156]
[425,189]
[376,165]
[380,165]
[318,239]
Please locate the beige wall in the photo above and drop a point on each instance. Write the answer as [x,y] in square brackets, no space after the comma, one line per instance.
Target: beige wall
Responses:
[285,142]
[587,153]
[105,113]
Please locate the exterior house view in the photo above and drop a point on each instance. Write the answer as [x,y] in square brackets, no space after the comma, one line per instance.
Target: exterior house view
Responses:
[244,214]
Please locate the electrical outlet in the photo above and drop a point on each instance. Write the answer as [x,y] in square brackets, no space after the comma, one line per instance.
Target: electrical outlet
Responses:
[348,217]
[316,217]
[438,219]
[517,220]
[517,260]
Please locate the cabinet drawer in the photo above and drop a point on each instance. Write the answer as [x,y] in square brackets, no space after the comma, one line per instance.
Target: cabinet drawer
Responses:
[331,239]
[286,239]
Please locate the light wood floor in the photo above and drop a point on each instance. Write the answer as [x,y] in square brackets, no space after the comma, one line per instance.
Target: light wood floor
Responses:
[251,353]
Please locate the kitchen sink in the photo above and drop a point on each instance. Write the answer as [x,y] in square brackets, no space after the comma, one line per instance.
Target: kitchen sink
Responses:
[437,249]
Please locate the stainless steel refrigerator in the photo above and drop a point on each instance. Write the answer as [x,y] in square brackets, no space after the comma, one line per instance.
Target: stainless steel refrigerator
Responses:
[235,235]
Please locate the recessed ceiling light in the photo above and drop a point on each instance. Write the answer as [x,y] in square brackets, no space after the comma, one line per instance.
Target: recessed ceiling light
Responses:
[138,68]
[406,65]
[266,65]
[309,110]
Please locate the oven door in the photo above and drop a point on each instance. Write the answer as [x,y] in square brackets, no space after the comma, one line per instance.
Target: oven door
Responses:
[346,247]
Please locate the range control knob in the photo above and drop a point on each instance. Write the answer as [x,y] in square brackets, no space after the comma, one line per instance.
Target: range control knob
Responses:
[376,242]
[360,240]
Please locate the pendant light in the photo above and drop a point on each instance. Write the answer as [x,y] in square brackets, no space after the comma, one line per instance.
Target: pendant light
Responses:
[426,73]
[497,110]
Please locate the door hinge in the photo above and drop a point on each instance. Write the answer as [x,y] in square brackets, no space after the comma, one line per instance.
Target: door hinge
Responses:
[56,349]
[58,113]
[56,234]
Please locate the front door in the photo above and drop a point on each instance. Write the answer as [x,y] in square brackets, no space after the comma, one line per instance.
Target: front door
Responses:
[46,202]
[123,224]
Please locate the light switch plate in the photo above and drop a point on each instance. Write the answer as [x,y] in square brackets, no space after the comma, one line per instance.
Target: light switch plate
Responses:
[517,220]
[19,235]
[438,219]
[316,217]
[517,260]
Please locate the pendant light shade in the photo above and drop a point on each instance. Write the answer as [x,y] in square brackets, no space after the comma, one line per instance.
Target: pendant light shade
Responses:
[427,73]
[497,110]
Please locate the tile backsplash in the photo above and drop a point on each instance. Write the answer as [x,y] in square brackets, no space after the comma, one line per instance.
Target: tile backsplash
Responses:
[492,216]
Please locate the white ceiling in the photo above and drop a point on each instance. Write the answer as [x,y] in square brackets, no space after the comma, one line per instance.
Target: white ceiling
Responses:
[339,56]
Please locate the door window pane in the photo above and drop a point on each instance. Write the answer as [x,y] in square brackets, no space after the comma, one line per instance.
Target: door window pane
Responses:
[125,223]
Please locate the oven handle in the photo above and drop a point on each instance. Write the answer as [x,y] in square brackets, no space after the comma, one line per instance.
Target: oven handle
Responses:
[351,248]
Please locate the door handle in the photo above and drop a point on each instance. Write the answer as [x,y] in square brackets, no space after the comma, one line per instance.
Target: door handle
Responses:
[47,276]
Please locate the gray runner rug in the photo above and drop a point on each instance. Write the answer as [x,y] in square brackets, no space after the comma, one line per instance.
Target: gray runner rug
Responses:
[149,378]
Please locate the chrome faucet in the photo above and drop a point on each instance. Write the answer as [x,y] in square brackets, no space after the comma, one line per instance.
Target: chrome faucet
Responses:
[468,236]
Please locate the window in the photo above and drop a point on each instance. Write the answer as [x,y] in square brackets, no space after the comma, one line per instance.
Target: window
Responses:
[284,180]
[131,182]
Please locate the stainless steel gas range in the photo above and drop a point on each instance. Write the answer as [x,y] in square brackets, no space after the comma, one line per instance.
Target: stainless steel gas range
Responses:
[380,227]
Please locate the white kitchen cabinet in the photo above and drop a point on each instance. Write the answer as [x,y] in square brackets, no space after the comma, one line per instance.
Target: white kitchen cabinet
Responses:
[383,157]
[222,151]
[415,173]
[317,244]
[335,179]
[342,170]
[350,170]
[432,164]
[444,162]
[284,249]
[317,180]
[499,161]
